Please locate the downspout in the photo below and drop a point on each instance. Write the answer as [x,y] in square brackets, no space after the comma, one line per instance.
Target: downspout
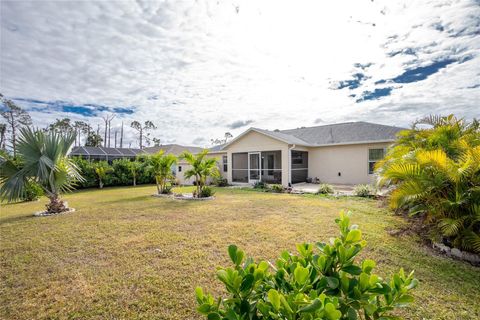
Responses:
[290,164]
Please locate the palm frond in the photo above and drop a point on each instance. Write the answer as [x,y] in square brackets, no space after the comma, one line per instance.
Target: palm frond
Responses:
[451,227]
[44,159]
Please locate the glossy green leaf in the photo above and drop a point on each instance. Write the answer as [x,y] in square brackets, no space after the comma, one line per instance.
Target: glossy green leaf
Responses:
[332,282]
[247,282]
[354,236]
[301,274]
[274,298]
[232,252]
[355,270]
[312,307]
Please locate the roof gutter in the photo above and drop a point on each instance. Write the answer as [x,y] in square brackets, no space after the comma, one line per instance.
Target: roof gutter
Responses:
[289,168]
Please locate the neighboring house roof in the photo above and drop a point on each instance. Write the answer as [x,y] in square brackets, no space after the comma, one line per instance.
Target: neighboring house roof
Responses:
[102,151]
[217,148]
[175,149]
[333,134]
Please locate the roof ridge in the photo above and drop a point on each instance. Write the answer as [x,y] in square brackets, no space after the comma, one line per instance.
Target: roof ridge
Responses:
[338,124]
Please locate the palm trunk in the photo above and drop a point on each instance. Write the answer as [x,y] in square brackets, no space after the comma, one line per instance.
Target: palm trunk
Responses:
[134,181]
[198,186]
[14,137]
[56,205]
[158,187]
[100,182]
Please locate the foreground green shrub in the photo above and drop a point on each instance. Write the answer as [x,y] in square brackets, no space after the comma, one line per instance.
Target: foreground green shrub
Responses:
[323,281]
[278,188]
[364,190]
[435,173]
[325,188]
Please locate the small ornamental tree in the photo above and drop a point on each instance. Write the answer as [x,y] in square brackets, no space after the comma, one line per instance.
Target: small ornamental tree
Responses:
[134,167]
[102,168]
[322,281]
[160,165]
[43,160]
[201,168]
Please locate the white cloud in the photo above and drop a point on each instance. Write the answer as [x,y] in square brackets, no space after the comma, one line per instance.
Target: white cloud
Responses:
[194,68]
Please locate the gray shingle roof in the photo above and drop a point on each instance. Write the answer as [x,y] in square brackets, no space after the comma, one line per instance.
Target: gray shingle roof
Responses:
[281,135]
[216,148]
[343,133]
[175,149]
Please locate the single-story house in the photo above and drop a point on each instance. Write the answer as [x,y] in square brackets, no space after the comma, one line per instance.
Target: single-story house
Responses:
[343,153]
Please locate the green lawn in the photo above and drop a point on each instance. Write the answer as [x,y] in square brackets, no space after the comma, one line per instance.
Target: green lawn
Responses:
[126,255]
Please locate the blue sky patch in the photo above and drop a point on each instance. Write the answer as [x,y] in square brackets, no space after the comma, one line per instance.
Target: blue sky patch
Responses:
[87,110]
[422,73]
[375,94]
[353,83]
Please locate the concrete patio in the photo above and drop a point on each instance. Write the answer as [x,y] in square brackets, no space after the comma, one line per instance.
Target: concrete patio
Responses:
[340,189]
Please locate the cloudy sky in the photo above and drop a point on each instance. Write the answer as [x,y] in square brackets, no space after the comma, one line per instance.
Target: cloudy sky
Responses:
[200,68]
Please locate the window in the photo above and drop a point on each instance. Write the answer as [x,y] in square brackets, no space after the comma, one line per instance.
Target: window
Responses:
[179,168]
[297,157]
[374,155]
[225,163]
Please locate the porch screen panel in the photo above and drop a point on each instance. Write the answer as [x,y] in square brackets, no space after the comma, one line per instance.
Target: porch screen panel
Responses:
[272,166]
[299,166]
[240,167]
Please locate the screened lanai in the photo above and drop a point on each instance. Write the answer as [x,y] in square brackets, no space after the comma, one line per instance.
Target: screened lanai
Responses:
[102,153]
[250,167]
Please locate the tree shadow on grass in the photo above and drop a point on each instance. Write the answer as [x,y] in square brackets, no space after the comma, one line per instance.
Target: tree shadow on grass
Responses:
[13,219]
[127,199]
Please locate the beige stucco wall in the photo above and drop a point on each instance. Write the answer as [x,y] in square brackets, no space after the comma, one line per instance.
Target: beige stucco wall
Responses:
[254,141]
[350,160]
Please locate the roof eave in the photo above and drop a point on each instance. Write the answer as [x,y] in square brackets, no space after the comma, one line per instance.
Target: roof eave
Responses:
[352,143]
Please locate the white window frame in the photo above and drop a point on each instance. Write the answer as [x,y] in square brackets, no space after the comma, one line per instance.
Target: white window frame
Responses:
[373,161]
[225,163]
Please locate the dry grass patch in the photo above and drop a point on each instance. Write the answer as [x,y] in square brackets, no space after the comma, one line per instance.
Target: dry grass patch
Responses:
[125,254]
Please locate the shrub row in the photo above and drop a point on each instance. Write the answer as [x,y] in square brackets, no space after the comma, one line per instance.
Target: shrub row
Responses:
[118,173]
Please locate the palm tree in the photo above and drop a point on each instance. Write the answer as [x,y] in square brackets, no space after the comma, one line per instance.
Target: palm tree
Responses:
[160,165]
[134,167]
[42,158]
[436,173]
[201,169]
[101,170]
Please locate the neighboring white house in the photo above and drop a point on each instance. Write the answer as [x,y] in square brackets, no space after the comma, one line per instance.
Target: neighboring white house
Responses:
[343,153]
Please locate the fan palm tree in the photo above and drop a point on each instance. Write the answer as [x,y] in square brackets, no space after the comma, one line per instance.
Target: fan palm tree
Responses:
[436,172]
[160,165]
[201,169]
[42,158]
